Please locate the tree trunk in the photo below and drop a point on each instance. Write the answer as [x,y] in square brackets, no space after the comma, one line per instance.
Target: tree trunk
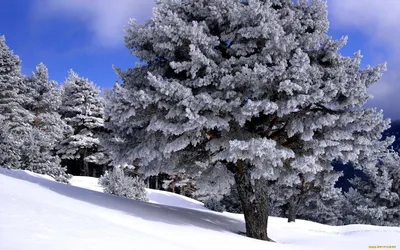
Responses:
[254,199]
[173,186]
[292,210]
[85,164]
[157,182]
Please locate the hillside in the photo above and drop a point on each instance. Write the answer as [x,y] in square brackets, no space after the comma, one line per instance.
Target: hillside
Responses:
[38,213]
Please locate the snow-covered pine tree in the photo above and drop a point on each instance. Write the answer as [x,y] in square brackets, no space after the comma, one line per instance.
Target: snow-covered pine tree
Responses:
[16,120]
[38,152]
[237,91]
[83,109]
[375,199]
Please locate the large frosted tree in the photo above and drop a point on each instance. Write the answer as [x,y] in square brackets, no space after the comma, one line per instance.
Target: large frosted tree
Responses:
[234,91]
[82,108]
[15,119]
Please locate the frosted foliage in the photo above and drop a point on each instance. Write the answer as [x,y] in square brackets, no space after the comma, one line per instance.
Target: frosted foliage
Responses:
[38,157]
[11,87]
[228,202]
[375,199]
[312,194]
[117,183]
[82,109]
[9,155]
[98,158]
[30,127]
[43,100]
[15,120]
[216,180]
[321,202]
[214,204]
[257,81]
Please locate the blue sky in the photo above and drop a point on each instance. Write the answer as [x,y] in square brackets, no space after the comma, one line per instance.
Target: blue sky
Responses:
[87,36]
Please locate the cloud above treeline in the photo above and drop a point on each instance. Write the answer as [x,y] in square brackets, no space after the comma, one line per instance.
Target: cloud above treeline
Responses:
[105,19]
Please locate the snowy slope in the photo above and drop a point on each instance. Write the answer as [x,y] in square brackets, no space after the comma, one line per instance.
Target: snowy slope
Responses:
[38,213]
[155,196]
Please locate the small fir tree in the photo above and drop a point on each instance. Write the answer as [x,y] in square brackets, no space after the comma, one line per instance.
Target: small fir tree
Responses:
[82,110]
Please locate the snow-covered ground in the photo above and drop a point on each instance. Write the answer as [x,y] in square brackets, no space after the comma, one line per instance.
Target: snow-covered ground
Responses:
[38,213]
[155,196]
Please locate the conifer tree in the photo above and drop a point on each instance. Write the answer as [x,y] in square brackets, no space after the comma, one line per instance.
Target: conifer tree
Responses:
[38,151]
[82,109]
[16,120]
[240,92]
[375,199]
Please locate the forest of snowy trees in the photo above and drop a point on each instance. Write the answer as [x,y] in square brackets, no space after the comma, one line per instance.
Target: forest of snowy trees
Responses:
[246,105]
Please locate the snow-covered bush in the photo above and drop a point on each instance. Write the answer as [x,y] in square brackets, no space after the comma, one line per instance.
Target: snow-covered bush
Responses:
[117,183]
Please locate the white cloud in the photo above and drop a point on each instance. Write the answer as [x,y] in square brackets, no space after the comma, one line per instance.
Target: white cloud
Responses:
[379,21]
[104,18]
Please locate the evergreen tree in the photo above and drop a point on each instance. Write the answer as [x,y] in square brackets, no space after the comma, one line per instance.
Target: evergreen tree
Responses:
[43,100]
[244,93]
[375,199]
[82,109]
[312,200]
[16,121]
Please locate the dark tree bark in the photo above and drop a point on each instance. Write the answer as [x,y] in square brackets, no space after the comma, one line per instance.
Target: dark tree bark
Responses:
[292,210]
[173,186]
[157,188]
[254,199]
[85,163]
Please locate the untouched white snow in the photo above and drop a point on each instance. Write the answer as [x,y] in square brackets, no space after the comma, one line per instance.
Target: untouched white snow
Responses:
[155,196]
[38,213]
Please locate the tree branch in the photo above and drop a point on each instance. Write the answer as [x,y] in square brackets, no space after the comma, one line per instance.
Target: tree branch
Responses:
[322,108]
[275,135]
[271,125]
